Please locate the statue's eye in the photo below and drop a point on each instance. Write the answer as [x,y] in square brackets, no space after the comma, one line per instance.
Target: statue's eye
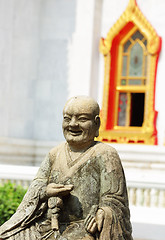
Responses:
[67,119]
[83,119]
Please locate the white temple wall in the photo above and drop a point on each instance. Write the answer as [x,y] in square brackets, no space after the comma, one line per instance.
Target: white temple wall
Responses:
[34,66]
[57,25]
[49,51]
[83,49]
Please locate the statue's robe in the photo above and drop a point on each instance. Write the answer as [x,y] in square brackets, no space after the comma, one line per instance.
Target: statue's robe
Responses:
[99,182]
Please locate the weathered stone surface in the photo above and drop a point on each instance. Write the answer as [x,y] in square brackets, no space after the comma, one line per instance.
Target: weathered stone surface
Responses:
[79,191]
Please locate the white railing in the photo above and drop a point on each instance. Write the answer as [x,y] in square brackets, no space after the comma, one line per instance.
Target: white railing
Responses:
[147,194]
[21,175]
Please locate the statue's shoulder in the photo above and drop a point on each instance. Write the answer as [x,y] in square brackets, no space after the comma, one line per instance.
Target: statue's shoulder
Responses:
[56,149]
[108,156]
[105,148]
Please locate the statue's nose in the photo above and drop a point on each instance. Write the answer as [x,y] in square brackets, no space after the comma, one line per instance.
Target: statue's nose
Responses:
[73,122]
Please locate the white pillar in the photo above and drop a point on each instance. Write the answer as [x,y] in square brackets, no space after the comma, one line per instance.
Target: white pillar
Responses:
[84,49]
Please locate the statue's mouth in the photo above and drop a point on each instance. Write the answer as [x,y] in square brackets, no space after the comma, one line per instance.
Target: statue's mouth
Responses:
[75,132]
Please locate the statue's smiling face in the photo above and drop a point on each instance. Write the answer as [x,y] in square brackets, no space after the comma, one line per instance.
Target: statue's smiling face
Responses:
[79,125]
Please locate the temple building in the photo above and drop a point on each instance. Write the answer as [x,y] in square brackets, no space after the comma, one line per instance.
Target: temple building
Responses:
[110,50]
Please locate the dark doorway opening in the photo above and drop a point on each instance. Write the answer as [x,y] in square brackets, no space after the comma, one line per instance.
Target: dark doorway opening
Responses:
[137,109]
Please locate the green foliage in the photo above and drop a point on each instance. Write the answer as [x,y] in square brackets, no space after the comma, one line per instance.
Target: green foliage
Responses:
[10,197]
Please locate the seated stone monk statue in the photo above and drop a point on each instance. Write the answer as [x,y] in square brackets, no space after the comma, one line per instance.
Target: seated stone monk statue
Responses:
[79,192]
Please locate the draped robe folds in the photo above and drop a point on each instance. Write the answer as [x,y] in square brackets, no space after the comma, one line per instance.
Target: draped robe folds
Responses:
[99,182]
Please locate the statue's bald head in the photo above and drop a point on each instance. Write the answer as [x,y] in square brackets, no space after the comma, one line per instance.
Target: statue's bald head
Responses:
[83,102]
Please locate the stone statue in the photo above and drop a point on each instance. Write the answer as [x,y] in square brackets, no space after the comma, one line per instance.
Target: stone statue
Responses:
[79,192]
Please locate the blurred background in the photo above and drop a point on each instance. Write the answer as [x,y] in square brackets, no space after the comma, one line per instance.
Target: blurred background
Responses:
[49,52]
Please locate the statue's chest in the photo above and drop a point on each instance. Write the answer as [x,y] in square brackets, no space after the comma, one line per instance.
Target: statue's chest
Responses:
[86,192]
[87,173]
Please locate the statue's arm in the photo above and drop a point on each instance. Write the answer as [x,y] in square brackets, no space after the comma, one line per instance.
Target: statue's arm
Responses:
[114,199]
[26,211]
[112,193]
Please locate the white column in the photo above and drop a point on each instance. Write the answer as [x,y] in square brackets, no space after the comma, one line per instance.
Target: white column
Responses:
[84,49]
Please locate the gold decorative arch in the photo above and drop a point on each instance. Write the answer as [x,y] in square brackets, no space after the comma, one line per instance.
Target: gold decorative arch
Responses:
[135,20]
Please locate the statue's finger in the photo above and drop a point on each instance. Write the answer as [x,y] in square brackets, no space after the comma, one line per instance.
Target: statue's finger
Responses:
[92,221]
[99,219]
[54,185]
[93,229]
[53,192]
[58,186]
[70,186]
[63,191]
[87,220]
[92,226]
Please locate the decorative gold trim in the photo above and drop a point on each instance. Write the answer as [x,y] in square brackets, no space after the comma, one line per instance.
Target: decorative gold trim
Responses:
[136,137]
[103,114]
[134,15]
[131,88]
[128,134]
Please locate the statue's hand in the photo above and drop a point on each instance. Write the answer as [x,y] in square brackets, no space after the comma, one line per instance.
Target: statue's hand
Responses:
[99,219]
[94,223]
[58,190]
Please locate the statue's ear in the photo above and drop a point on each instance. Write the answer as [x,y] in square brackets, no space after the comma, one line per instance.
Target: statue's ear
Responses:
[97,122]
